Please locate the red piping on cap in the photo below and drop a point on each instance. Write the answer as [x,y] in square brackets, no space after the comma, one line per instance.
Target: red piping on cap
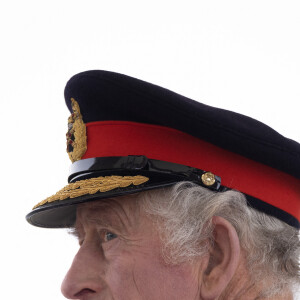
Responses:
[119,138]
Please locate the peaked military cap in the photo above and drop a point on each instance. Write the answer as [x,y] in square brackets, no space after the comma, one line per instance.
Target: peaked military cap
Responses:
[126,136]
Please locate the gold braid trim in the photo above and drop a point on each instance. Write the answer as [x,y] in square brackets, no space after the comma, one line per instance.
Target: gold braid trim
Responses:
[94,185]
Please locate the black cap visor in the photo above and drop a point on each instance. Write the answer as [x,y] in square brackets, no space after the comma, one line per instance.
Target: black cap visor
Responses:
[62,213]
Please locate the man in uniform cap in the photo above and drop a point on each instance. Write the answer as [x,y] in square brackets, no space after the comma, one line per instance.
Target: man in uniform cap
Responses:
[173,199]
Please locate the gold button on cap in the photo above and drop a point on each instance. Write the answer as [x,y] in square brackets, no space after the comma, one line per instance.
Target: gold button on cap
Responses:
[208,178]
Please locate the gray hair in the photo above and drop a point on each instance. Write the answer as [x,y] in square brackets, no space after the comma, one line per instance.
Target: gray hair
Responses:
[184,213]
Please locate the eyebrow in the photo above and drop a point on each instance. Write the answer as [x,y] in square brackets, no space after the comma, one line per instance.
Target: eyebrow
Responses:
[73,232]
[112,222]
[111,214]
[76,232]
[101,221]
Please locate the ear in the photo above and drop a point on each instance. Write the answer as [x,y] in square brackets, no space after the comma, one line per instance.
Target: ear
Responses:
[224,258]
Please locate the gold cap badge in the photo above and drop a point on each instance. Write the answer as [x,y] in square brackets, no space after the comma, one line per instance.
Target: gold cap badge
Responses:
[76,135]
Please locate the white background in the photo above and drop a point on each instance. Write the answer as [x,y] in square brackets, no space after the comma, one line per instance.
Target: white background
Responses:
[239,55]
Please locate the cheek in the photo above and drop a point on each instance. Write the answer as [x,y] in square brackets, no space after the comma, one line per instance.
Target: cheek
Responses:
[120,276]
[158,281]
[140,277]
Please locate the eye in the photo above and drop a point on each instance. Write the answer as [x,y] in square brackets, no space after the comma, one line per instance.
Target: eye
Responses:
[110,236]
[107,236]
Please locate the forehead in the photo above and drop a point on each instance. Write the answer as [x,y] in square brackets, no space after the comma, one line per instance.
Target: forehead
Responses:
[125,209]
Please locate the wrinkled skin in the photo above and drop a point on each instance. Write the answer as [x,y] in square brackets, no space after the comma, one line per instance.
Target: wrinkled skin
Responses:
[120,257]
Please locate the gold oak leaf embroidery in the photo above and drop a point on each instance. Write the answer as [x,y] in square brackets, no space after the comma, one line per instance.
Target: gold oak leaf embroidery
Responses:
[94,185]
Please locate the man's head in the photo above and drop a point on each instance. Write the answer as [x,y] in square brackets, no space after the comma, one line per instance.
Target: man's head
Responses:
[183,242]
[152,195]
[120,256]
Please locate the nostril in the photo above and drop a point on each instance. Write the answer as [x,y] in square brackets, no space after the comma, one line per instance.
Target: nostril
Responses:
[84,292]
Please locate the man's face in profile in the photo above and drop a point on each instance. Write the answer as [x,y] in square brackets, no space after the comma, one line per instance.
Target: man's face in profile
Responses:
[120,257]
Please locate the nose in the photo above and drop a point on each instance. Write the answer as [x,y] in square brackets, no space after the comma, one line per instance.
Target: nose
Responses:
[84,276]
